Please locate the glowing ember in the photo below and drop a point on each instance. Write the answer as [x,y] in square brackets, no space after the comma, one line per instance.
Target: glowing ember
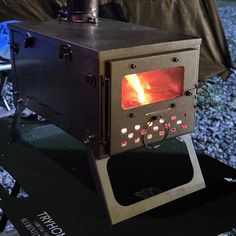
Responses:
[152,86]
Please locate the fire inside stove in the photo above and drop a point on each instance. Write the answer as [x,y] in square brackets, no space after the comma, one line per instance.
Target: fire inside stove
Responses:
[152,86]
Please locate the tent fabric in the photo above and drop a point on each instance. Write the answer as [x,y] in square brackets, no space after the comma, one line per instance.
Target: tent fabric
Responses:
[195,17]
[198,18]
[113,11]
[29,10]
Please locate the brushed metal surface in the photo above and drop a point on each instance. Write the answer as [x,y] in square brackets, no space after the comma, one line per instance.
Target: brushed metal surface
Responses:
[61,90]
[107,35]
[121,118]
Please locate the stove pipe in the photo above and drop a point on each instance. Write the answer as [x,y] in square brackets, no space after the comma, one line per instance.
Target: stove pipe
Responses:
[82,10]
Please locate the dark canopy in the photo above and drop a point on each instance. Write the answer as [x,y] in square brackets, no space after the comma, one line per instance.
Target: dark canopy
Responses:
[198,18]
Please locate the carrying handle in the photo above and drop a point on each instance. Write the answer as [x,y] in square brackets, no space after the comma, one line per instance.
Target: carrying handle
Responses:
[167,130]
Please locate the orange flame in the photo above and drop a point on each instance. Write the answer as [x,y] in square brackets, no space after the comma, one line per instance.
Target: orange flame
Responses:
[152,87]
[135,83]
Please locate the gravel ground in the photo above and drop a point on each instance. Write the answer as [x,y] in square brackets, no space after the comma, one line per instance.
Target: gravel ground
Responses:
[215,133]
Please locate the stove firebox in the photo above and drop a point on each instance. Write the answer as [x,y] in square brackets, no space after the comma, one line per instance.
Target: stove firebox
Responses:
[114,86]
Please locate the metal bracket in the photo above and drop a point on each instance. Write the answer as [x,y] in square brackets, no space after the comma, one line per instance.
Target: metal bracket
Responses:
[29,42]
[118,213]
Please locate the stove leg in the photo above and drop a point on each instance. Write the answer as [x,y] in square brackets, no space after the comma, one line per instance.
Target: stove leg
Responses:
[6,104]
[118,213]
[14,133]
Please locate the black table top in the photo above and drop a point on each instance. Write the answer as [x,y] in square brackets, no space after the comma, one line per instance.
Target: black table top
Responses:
[53,169]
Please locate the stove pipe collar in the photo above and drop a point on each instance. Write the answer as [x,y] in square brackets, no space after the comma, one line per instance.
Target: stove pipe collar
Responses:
[82,10]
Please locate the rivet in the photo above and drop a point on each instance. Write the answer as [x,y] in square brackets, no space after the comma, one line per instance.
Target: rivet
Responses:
[173,105]
[132,115]
[175,59]
[188,93]
[133,66]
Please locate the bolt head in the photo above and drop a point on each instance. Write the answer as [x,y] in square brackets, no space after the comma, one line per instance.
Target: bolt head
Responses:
[133,66]
[132,115]
[189,93]
[175,59]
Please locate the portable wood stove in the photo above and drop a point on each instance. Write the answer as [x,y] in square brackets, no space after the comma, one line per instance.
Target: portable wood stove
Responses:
[115,86]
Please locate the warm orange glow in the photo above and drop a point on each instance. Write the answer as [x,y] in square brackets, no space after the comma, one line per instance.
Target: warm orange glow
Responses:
[135,83]
[152,86]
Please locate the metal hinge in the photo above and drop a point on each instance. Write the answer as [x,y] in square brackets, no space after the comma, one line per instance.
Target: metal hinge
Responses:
[105,109]
[65,52]
[104,80]
[103,141]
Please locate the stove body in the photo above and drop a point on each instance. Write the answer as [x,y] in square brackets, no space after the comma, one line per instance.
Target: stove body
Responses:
[114,86]
[73,75]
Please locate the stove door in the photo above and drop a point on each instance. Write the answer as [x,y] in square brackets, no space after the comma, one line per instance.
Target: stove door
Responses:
[152,98]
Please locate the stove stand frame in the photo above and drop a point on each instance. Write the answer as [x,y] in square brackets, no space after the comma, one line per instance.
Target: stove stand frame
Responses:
[117,212]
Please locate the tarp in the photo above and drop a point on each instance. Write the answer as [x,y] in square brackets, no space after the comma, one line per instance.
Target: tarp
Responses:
[29,10]
[193,17]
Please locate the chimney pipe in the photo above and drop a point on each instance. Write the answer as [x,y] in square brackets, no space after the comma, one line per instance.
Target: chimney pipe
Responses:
[82,10]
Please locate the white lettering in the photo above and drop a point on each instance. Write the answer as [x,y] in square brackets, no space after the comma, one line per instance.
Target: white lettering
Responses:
[50,224]
[49,221]
[57,231]
[44,216]
[30,227]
